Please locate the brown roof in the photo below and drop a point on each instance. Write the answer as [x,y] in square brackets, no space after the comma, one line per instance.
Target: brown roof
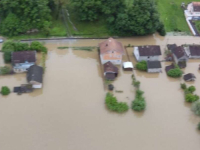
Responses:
[189,76]
[179,52]
[111,45]
[195,50]
[171,46]
[152,50]
[24,56]
[196,6]
[167,68]
[109,67]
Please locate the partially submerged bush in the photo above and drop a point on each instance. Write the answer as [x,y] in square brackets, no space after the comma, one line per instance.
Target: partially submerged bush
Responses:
[142,66]
[135,83]
[5,70]
[191,89]
[183,86]
[113,105]
[139,103]
[196,108]
[191,98]
[5,90]
[175,73]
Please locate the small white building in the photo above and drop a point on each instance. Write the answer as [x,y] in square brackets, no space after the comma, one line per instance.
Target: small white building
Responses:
[147,53]
[128,66]
[154,66]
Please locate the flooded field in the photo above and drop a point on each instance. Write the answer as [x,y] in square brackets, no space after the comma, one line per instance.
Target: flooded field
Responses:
[69,112]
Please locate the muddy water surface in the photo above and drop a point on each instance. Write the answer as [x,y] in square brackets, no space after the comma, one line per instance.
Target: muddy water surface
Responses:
[69,112]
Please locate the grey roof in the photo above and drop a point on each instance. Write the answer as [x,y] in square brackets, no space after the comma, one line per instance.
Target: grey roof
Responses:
[171,46]
[24,56]
[35,73]
[194,50]
[189,76]
[151,50]
[153,64]
[179,52]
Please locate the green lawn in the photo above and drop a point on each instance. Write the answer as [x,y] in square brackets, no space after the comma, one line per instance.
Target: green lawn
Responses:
[172,14]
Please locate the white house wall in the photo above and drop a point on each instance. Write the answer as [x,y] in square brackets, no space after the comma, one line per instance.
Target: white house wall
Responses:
[154,70]
[115,62]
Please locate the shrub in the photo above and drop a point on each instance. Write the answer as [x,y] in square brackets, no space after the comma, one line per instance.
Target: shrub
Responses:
[7,57]
[135,83]
[139,103]
[142,66]
[39,47]
[113,105]
[21,46]
[196,108]
[198,126]
[191,98]
[183,86]
[161,29]
[175,73]
[191,89]
[5,90]
[5,70]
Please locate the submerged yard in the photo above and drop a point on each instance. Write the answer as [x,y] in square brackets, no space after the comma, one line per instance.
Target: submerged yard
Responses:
[69,112]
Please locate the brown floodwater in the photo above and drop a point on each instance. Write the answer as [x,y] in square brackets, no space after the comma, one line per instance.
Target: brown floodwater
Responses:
[69,112]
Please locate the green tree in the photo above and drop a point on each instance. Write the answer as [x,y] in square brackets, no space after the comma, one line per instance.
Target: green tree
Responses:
[113,105]
[18,16]
[142,66]
[140,19]
[5,70]
[39,47]
[191,98]
[191,89]
[175,73]
[87,10]
[5,90]
[183,86]
[196,108]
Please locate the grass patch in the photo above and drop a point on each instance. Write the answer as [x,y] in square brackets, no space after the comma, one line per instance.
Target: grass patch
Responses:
[172,14]
[87,48]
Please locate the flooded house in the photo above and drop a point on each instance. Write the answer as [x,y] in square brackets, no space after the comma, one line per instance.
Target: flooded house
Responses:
[193,51]
[168,68]
[22,61]
[189,77]
[179,55]
[110,71]
[147,53]
[35,76]
[111,50]
[128,66]
[154,66]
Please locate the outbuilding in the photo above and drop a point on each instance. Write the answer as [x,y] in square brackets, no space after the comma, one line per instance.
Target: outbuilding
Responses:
[154,66]
[189,77]
[35,76]
[110,71]
[128,66]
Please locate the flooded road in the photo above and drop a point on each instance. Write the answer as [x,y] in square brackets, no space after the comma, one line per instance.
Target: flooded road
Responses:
[69,112]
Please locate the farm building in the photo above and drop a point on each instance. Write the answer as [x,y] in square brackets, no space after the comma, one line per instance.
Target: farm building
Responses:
[154,66]
[111,50]
[110,71]
[35,76]
[147,53]
[22,61]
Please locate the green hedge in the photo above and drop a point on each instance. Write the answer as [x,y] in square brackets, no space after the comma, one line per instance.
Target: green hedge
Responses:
[5,90]
[142,66]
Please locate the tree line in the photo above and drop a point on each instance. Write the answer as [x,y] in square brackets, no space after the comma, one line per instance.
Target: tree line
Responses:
[141,18]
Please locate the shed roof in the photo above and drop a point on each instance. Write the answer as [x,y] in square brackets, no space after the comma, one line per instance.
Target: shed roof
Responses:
[128,65]
[153,64]
[196,6]
[110,45]
[109,67]
[171,46]
[189,76]
[35,73]
[179,52]
[167,68]
[194,50]
[24,56]
[152,50]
